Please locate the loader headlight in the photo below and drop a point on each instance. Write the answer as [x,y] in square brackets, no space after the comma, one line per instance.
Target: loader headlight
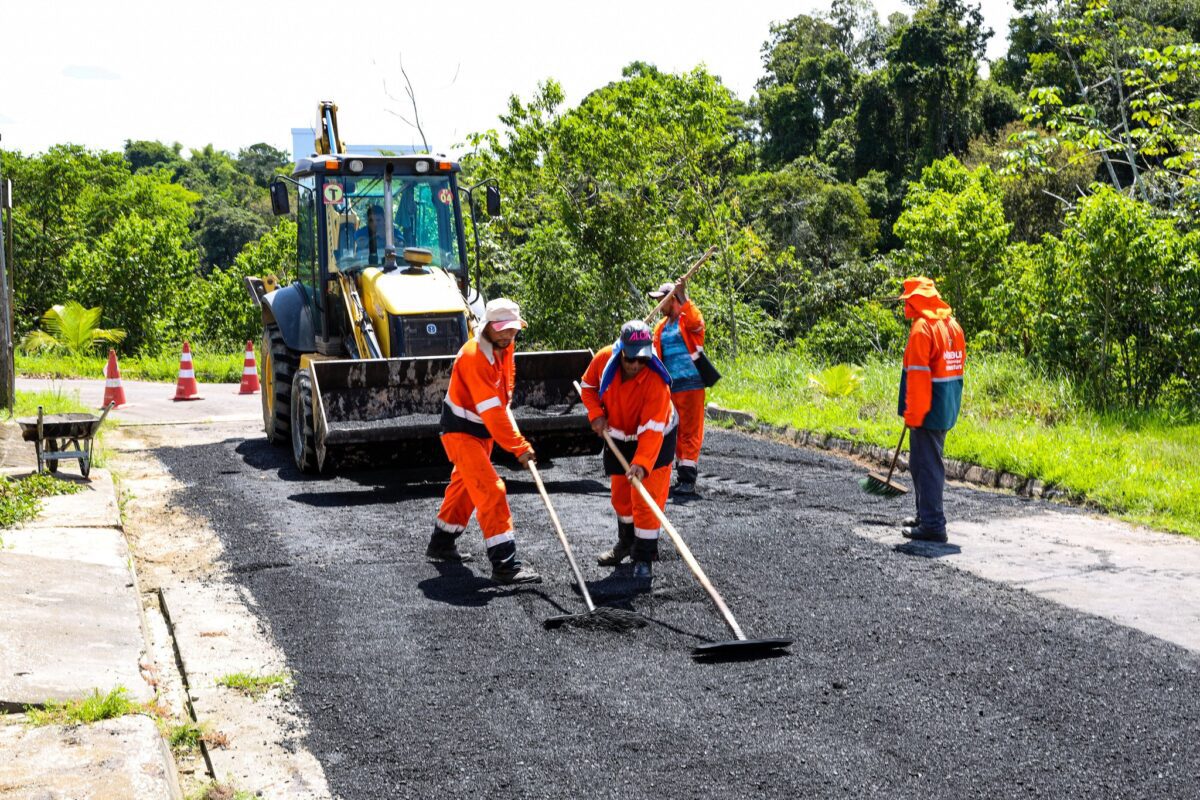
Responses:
[356,166]
[422,167]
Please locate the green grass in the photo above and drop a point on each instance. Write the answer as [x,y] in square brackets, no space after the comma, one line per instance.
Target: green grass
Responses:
[1144,466]
[220,791]
[53,401]
[256,686]
[20,498]
[185,736]
[93,708]
[209,367]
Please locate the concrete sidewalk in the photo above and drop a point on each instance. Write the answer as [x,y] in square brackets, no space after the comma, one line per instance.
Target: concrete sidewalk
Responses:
[71,623]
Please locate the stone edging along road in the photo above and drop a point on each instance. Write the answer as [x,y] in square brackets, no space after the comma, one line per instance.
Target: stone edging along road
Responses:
[963,471]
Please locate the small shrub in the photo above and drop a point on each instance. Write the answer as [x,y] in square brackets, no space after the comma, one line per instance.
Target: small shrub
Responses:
[842,380]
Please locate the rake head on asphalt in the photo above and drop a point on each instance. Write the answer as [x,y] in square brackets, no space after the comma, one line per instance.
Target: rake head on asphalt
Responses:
[741,649]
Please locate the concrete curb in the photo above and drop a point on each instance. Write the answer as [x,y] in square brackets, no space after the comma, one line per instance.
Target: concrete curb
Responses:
[72,587]
[962,471]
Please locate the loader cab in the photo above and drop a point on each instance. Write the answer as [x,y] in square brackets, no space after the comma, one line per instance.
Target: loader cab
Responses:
[344,227]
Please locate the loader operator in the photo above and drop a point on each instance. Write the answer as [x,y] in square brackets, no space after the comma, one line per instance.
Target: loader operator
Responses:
[627,391]
[474,414]
[930,395]
[679,340]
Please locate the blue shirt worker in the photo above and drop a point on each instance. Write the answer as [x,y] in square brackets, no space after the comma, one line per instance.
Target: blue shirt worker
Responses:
[679,342]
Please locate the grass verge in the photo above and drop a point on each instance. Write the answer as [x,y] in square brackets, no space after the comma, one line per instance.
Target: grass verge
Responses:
[220,791]
[94,708]
[20,498]
[255,686]
[209,367]
[1144,466]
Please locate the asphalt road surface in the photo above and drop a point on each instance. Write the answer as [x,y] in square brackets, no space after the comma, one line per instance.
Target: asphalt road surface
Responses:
[908,678]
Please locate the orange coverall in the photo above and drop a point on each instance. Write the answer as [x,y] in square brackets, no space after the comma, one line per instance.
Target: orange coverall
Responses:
[690,403]
[474,414]
[638,411]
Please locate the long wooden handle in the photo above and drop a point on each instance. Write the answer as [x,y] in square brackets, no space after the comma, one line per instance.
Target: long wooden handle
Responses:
[562,537]
[676,539]
[896,457]
[691,271]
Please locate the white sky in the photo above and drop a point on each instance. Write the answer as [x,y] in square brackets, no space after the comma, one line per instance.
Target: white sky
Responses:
[235,73]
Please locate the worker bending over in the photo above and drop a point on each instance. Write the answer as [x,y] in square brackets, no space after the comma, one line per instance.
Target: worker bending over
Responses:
[930,395]
[627,391]
[474,414]
[679,341]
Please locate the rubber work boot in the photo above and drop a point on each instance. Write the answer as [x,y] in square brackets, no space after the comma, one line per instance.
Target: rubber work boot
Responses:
[642,570]
[613,557]
[917,534]
[442,547]
[514,572]
[910,522]
[685,480]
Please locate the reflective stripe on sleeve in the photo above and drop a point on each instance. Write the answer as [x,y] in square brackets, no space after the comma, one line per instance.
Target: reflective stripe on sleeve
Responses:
[918,369]
[491,402]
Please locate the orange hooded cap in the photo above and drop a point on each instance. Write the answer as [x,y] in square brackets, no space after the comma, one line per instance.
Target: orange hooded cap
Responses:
[921,299]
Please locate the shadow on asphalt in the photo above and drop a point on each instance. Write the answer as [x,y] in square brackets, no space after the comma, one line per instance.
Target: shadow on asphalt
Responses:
[927,549]
[457,585]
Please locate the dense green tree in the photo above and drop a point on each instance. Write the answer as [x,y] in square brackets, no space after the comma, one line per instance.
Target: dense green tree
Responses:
[138,272]
[953,230]
[146,155]
[262,162]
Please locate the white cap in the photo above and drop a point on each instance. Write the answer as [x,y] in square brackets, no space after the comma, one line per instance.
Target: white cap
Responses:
[503,314]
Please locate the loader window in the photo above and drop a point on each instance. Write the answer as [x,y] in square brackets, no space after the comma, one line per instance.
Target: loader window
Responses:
[306,245]
[423,215]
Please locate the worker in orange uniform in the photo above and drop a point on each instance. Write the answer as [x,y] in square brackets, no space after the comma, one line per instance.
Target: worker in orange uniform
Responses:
[474,414]
[930,396]
[679,341]
[627,391]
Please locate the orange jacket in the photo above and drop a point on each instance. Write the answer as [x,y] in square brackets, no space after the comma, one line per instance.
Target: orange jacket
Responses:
[932,381]
[638,410]
[480,393]
[691,329]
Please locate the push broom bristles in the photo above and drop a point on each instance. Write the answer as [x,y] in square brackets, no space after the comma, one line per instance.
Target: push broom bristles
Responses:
[880,486]
[602,618]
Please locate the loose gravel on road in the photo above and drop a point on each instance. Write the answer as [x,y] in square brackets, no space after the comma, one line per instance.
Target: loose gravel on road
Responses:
[908,678]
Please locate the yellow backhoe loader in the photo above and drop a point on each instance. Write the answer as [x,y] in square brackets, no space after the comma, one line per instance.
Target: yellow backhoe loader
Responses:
[357,350]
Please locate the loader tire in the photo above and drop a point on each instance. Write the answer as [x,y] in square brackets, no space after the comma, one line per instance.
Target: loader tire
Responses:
[304,437]
[279,366]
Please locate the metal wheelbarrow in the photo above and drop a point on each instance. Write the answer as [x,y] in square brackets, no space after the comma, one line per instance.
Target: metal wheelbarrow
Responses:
[52,435]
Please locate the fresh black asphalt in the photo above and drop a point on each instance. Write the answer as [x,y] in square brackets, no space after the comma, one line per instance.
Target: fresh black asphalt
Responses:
[908,678]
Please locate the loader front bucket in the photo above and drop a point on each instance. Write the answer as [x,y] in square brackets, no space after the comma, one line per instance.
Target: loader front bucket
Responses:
[377,412]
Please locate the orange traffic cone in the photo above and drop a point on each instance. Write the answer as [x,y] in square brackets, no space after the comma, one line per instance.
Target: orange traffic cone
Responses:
[113,391]
[186,388]
[249,371]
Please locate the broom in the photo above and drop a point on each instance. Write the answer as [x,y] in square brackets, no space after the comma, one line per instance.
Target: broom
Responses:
[876,484]
[604,617]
